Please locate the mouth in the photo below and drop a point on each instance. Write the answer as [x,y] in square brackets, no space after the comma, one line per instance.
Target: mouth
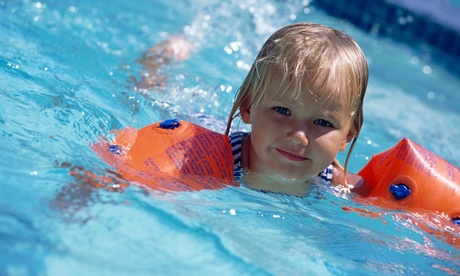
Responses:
[291,157]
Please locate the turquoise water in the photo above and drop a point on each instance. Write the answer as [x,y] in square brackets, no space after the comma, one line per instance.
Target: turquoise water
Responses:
[68,73]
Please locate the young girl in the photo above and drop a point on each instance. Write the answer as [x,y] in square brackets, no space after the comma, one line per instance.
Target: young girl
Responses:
[303,98]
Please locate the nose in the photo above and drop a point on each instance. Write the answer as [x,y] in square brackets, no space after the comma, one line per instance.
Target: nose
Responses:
[298,137]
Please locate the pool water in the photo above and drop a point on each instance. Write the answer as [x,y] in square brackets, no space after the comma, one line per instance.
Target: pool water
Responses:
[69,75]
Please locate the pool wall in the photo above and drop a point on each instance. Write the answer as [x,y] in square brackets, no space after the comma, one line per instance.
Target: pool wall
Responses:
[432,23]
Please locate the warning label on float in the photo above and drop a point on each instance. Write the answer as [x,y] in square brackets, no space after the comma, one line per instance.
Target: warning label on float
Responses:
[206,154]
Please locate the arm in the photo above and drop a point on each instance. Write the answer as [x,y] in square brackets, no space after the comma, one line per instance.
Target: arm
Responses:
[338,177]
[174,49]
[355,182]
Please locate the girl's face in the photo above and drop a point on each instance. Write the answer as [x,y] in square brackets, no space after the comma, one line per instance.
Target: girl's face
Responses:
[296,139]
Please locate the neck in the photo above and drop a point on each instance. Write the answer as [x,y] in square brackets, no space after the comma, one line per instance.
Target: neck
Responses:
[276,184]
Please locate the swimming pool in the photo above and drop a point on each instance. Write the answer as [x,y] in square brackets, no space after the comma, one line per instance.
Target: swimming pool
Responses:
[67,79]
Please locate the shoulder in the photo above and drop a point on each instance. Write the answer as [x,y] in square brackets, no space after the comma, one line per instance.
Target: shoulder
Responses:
[236,143]
[237,135]
[236,139]
[338,177]
[327,174]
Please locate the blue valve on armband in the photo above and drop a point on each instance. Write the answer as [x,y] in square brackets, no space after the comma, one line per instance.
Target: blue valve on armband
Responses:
[170,124]
[400,191]
[116,149]
[456,220]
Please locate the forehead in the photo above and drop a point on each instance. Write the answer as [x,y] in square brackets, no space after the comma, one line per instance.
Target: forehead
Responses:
[304,94]
[331,94]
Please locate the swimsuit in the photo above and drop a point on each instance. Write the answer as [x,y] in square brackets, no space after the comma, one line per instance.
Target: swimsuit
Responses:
[236,140]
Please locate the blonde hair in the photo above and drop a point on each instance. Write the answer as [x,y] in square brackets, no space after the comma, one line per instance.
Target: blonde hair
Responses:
[308,58]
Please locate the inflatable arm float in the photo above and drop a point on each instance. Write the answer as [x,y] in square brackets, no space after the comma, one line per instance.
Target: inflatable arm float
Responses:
[160,154]
[405,177]
[410,177]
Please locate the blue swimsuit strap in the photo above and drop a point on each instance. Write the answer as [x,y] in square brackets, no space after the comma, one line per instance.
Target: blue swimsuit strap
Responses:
[236,141]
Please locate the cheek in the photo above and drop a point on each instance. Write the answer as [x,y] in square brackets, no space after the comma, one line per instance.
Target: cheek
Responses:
[269,129]
[264,134]
[261,122]
[260,134]
[332,144]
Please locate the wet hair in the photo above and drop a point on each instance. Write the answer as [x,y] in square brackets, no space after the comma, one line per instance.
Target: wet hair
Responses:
[308,58]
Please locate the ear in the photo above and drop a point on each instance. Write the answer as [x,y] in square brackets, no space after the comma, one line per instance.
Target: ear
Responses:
[345,143]
[246,116]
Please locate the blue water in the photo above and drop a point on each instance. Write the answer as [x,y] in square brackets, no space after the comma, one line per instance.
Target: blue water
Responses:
[68,76]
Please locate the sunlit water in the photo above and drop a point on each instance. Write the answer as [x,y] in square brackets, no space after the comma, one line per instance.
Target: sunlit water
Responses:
[68,76]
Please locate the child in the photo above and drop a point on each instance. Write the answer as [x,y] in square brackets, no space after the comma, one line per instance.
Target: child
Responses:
[303,98]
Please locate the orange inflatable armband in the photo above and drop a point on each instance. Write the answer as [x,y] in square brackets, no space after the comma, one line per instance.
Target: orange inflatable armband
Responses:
[410,177]
[171,151]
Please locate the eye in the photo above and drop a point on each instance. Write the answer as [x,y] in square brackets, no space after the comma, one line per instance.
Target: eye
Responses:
[323,123]
[282,110]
